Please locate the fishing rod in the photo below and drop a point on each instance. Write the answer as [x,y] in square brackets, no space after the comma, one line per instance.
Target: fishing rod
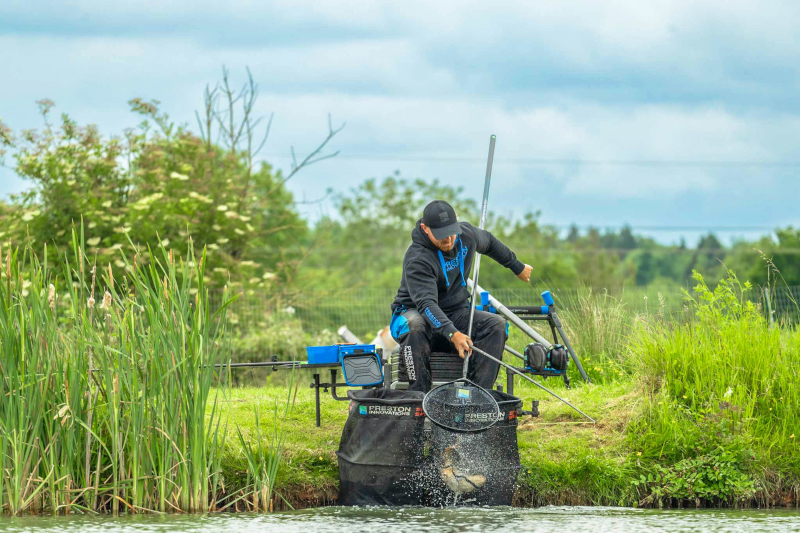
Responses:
[476,270]
[511,368]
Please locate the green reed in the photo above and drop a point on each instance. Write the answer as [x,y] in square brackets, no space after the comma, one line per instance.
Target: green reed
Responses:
[104,384]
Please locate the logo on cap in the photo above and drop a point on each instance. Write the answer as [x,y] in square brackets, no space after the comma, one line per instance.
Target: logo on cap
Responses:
[444,216]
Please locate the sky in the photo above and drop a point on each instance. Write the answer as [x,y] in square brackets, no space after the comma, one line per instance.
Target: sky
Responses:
[676,117]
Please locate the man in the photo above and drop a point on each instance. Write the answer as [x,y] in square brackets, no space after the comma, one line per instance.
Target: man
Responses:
[431,308]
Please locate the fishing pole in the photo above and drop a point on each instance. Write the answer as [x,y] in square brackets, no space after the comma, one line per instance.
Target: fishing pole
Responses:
[476,269]
[509,367]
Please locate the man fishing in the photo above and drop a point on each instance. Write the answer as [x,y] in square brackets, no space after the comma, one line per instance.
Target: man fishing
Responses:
[431,308]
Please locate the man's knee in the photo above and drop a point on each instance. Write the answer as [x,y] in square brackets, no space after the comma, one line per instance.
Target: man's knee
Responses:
[416,324]
[497,325]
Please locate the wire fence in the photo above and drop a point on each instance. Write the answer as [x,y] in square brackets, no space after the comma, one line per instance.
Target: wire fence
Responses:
[365,311]
[283,323]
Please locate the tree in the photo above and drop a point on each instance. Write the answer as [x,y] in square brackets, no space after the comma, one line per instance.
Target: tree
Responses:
[162,184]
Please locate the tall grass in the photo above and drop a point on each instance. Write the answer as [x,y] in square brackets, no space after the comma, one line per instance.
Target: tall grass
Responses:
[722,384]
[263,461]
[104,385]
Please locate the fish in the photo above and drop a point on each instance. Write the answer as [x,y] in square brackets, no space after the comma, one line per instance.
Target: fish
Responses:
[456,480]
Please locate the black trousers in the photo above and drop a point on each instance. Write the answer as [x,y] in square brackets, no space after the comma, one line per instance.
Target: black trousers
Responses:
[488,334]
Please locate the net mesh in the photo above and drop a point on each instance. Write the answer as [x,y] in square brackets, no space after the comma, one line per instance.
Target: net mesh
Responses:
[461,406]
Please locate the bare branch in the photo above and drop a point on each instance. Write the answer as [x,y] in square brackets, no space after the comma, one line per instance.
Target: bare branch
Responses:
[312,157]
[266,134]
[317,201]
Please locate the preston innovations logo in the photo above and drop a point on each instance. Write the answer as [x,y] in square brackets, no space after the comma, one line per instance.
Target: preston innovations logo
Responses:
[391,410]
[481,417]
[412,373]
[362,409]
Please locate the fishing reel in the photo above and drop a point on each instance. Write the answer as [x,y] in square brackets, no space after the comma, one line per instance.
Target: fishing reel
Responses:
[547,362]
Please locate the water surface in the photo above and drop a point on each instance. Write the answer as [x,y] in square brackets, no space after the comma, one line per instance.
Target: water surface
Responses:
[343,520]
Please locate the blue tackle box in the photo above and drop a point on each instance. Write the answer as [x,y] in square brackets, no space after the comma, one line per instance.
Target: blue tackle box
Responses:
[318,355]
[361,365]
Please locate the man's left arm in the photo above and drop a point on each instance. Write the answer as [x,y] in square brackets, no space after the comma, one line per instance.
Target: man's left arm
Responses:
[488,244]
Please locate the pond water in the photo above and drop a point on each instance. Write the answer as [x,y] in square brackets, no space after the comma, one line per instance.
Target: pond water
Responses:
[342,519]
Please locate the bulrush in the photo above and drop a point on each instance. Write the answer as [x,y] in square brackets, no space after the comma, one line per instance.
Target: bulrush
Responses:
[51,297]
[106,301]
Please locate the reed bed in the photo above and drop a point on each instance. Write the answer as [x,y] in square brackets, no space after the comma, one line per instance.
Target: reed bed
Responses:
[104,384]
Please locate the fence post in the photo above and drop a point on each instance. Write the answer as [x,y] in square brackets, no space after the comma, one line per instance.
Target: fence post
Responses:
[769,307]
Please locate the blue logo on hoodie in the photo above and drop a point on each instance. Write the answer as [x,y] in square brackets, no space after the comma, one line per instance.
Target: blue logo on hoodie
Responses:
[453,263]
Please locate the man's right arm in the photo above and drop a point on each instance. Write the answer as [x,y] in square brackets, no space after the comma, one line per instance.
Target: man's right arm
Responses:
[421,285]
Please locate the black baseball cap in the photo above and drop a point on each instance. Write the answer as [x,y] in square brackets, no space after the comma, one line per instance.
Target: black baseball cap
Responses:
[440,217]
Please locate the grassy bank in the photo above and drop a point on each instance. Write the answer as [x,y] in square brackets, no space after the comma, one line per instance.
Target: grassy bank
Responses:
[109,401]
[698,411]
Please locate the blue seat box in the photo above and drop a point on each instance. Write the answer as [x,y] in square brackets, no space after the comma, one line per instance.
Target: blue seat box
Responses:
[318,355]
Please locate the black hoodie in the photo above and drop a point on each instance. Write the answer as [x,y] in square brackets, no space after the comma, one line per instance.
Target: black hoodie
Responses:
[435,282]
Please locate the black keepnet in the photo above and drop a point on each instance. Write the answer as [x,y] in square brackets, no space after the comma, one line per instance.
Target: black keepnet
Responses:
[381,449]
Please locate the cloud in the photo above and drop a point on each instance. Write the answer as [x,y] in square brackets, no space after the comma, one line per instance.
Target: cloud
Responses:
[572,89]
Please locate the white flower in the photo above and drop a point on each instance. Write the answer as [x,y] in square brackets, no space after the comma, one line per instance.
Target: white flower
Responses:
[51,296]
[223,240]
[728,392]
[106,204]
[179,177]
[268,275]
[222,207]
[90,302]
[94,241]
[289,310]
[237,231]
[165,243]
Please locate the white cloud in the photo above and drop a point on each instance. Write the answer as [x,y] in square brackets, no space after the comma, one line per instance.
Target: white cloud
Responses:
[566,81]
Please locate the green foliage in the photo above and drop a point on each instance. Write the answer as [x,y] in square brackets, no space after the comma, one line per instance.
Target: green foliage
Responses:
[103,401]
[278,333]
[716,477]
[157,184]
[721,389]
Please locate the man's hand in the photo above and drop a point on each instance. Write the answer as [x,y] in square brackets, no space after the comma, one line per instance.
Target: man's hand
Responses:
[525,275]
[462,343]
